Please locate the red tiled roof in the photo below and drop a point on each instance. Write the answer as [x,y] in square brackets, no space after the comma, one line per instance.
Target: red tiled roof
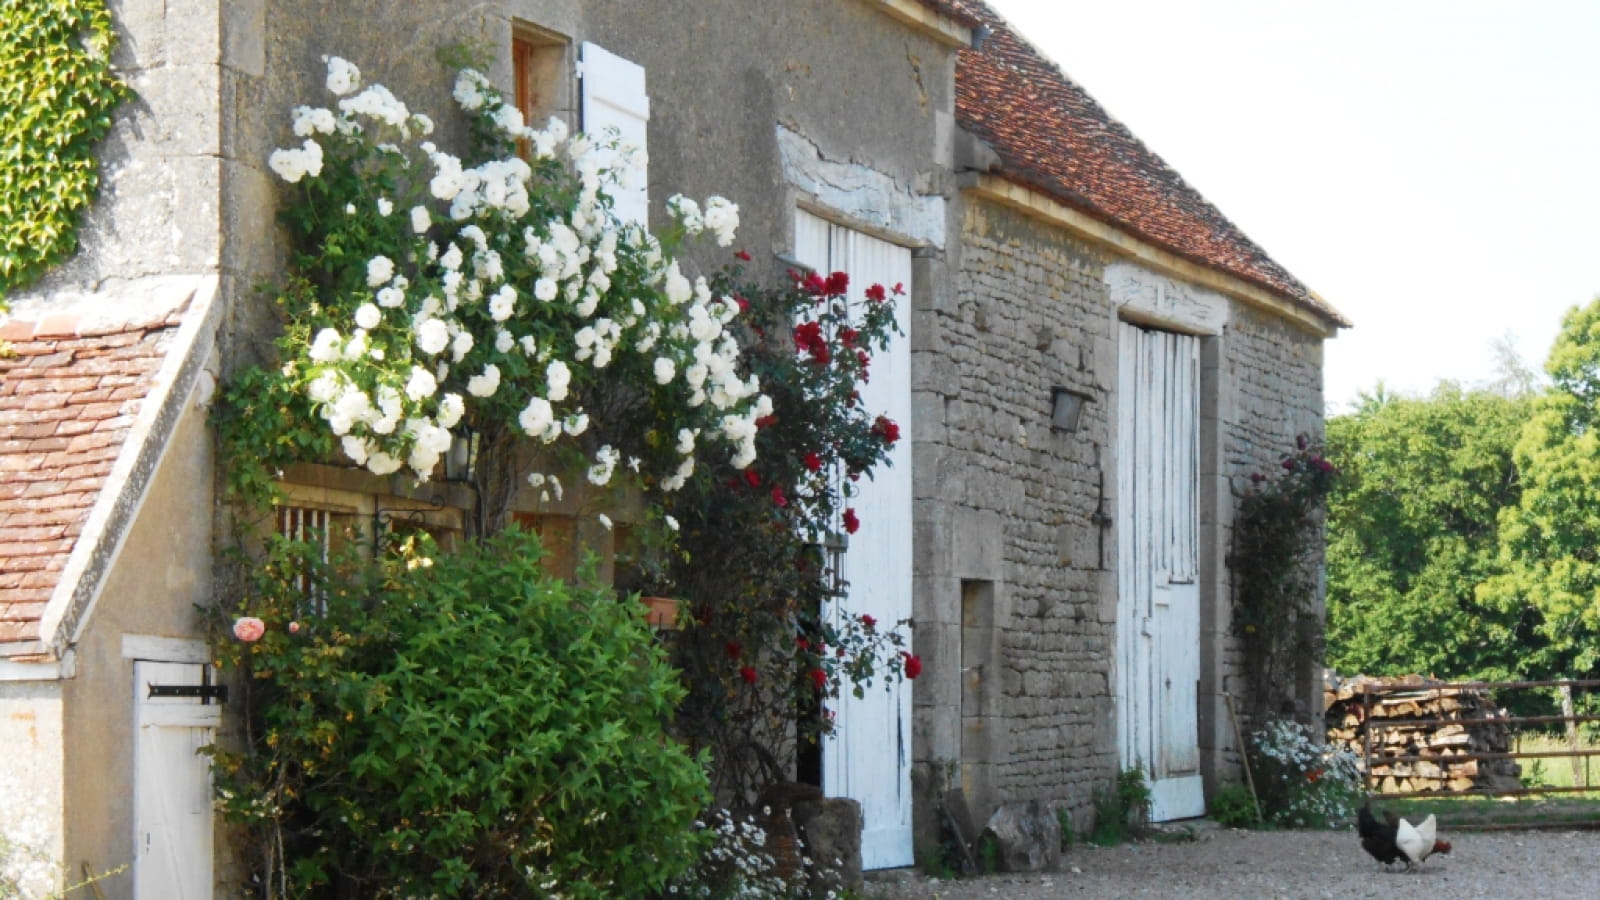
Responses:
[1053,137]
[69,395]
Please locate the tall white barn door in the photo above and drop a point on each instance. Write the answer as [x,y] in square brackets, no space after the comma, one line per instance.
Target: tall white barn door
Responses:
[1158,608]
[869,758]
[172,786]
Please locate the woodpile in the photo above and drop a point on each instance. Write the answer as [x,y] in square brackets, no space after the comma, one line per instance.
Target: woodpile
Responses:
[1423,737]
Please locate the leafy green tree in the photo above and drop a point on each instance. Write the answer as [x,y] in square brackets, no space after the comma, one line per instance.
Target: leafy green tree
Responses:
[1550,540]
[1412,533]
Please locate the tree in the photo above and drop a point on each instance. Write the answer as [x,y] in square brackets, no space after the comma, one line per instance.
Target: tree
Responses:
[1412,534]
[1550,540]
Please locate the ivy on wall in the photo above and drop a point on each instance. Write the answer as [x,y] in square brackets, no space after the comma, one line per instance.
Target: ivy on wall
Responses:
[57,94]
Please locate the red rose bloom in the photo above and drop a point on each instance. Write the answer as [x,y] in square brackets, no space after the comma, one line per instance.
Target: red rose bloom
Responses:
[733,649]
[819,679]
[886,427]
[814,284]
[913,664]
[748,673]
[743,256]
[851,523]
[752,477]
[778,498]
[899,288]
[848,335]
[838,283]
[802,643]
[813,461]
[765,421]
[876,293]
[868,622]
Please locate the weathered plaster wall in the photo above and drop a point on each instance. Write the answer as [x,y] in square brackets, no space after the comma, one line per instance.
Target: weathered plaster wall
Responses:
[31,784]
[161,576]
[1004,505]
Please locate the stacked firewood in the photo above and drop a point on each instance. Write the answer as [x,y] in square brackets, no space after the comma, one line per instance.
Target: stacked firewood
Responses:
[1418,739]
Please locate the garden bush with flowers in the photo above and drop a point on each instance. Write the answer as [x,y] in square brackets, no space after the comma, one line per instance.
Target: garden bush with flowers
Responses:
[1303,782]
[1276,540]
[449,724]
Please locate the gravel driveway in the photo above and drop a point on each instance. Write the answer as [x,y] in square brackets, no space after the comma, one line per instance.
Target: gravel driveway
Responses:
[1224,864]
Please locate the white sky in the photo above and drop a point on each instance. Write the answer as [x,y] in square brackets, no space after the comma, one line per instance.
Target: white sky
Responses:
[1430,167]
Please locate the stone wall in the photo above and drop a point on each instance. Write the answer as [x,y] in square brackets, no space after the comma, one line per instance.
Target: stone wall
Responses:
[1012,611]
[1016,591]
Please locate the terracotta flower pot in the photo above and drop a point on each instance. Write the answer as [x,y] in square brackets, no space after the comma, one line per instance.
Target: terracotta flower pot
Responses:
[661,612]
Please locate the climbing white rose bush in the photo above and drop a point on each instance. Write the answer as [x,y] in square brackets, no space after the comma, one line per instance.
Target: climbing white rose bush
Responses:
[433,292]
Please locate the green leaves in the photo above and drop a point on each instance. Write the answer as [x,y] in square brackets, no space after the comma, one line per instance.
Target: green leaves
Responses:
[519,747]
[57,92]
[1411,530]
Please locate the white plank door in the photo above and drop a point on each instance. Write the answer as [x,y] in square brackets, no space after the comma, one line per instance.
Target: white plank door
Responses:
[1158,611]
[172,786]
[869,758]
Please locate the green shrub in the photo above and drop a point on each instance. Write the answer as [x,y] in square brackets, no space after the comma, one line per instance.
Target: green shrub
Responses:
[1121,812]
[1303,782]
[1235,807]
[457,725]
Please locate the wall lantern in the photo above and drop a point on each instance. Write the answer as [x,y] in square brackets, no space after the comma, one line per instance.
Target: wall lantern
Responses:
[1066,408]
[462,456]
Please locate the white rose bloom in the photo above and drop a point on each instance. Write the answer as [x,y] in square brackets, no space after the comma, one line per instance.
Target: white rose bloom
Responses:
[343,76]
[485,384]
[576,424]
[678,289]
[391,297]
[356,347]
[605,521]
[585,337]
[422,124]
[695,375]
[355,448]
[665,369]
[368,316]
[420,220]
[421,385]
[536,417]
[686,441]
[422,461]
[451,408]
[722,217]
[292,165]
[380,269]
[503,341]
[380,463]
[309,121]
[385,206]
[325,348]
[461,345]
[545,289]
[324,387]
[763,403]
[470,89]
[336,423]
[558,377]
[432,336]
[530,347]
[672,524]
[503,303]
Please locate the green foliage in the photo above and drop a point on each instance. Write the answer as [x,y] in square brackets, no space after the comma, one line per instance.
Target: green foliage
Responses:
[263,425]
[1235,807]
[1121,812]
[1550,539]
[454,725]
[1302,781]
[1276,543]
[1411,528]
[57,95]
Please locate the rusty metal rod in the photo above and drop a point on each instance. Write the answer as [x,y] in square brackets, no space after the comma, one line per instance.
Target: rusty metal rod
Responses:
[1463,757]
[1390,724]
[1514,792]
[1477,685]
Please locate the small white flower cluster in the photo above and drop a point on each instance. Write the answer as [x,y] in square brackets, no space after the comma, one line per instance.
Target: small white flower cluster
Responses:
[720,217]
[1314,784]
[449,322]
[738,864]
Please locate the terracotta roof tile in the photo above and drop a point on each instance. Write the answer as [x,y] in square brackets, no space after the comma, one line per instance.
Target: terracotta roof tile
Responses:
[68,401]
[1053,137]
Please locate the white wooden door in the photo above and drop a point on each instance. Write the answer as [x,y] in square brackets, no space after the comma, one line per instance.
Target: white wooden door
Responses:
[869,758]
[172,786]
[1158,612]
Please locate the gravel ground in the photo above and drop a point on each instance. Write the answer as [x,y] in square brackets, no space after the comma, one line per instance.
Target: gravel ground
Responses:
[1224,864]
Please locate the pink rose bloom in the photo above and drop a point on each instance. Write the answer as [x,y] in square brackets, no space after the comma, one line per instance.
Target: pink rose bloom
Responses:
[294,627]
[249,629]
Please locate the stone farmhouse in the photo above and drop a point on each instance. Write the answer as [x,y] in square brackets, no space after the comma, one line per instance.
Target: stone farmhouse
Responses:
[1095,359]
